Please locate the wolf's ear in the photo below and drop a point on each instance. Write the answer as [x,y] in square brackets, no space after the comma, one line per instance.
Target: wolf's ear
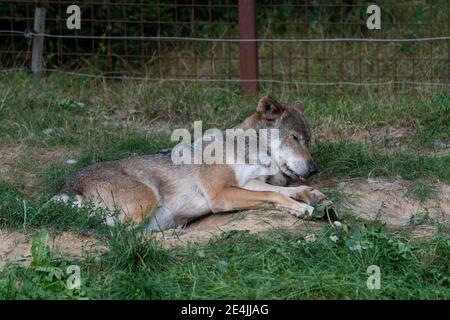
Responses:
[269,108]
[298,106]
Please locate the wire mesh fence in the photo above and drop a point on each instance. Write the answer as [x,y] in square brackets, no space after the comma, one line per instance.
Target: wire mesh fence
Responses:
[299,43]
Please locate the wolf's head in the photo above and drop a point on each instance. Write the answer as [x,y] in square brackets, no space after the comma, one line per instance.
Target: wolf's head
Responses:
[294,159]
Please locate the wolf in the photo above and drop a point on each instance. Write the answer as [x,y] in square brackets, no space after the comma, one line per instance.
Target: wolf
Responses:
[152,189]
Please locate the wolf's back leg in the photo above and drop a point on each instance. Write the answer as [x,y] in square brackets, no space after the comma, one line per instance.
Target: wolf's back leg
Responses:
[135,200]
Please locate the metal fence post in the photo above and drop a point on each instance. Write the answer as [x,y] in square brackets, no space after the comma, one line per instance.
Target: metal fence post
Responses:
[248,50]
[38,41]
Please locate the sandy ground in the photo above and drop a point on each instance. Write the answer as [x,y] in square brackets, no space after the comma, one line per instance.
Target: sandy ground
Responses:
[16,245]
[373,199]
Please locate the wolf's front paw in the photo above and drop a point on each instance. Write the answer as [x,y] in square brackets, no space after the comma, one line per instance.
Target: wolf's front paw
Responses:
[316,197]
[310,196]
[302,210]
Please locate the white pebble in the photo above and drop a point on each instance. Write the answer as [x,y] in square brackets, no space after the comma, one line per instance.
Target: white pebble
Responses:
[71,161]
[47,131]
[334,238]
[337,224]
[310,238]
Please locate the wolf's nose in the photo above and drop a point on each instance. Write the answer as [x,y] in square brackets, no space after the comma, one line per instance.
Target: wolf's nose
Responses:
[313,169]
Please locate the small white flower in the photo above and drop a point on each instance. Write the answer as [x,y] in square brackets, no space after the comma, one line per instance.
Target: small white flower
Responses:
[71,161]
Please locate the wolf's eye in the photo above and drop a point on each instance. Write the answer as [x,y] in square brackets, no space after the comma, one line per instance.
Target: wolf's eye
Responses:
[296,139]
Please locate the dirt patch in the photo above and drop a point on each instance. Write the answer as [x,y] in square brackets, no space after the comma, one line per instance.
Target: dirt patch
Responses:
[387,138]
[392,136]
[387,135]
[252,221]
[49,155]
[442,147]
[391,202]
[19,163]
[10,153]
[16,246]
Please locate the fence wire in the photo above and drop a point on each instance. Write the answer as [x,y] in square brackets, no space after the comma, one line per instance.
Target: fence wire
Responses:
[189,39]
[300,43]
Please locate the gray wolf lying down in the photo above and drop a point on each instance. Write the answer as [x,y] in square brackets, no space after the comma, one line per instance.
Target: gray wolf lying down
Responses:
[152,188]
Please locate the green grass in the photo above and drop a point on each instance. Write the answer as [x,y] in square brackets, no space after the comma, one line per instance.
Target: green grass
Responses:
[347,159]
[83,110]
[94,121]
[242,266]
[16,212]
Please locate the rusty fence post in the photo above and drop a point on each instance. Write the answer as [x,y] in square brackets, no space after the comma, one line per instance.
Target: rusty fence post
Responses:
[248,50]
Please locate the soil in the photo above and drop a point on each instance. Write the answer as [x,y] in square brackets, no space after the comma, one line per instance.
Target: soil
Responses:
[16,245]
